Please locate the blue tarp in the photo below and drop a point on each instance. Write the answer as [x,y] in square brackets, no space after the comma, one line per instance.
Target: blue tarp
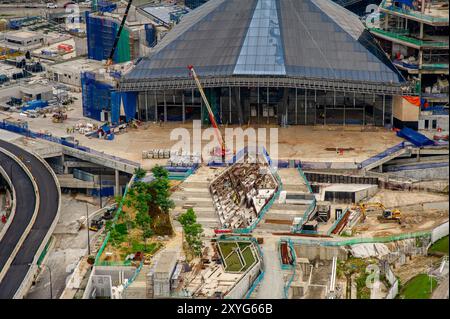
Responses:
[129,100]
[414,137]
[408,3]
[32,105]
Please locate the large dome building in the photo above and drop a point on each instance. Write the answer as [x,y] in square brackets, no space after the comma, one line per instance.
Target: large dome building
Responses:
[301,62]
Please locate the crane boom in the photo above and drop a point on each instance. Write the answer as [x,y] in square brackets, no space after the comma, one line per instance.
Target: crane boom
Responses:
[208,107]
[119,32]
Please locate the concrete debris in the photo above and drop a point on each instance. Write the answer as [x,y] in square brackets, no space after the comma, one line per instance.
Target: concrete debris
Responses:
[241,192]
[369,250]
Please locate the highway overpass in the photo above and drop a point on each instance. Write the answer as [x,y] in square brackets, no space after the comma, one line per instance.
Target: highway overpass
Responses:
[37,200]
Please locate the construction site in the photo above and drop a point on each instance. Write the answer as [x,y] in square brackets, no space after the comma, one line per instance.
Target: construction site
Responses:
[354,182]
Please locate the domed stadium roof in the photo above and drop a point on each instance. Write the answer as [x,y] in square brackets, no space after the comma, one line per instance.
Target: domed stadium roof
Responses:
[296,39]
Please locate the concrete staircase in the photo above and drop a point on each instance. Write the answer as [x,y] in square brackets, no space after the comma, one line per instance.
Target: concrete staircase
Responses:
[194,192]
[138,288]
[281,216]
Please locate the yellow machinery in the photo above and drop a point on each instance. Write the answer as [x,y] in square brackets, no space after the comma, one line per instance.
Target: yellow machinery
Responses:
[59,117]
[387,215]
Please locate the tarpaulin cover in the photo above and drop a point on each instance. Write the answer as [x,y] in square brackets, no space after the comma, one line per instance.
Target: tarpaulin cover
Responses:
[129,100]
[32,105]
[96,96]
[414,137]
[416,101]
[408,3]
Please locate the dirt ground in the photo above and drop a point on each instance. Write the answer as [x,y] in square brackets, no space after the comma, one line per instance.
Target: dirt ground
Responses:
[418,265]
[391,199]
[308,143]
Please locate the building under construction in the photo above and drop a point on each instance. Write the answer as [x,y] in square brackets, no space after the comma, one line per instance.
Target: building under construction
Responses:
[304,62]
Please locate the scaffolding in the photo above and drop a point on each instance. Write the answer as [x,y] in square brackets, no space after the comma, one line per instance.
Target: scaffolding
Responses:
[96,95]
[101,32]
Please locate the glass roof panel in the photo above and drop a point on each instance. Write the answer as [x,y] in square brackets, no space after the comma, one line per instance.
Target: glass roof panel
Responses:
[262,52]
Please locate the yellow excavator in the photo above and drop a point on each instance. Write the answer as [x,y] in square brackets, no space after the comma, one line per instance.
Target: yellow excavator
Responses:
[387,215]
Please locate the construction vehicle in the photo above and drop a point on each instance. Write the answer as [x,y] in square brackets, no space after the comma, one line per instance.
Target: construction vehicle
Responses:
[96,224]
[109,61]
[59,117]
[387,215]
[222,151]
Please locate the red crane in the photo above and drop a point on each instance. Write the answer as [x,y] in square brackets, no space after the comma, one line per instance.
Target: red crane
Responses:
[210,112]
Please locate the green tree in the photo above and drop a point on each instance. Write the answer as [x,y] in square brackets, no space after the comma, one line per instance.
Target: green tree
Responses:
[192,231]
[146,234]
[140,173]
[143,219]
[161,188]
[188,218]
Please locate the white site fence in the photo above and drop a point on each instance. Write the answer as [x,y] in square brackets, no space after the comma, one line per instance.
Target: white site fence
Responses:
[393,281]
[439,232]
[436,234]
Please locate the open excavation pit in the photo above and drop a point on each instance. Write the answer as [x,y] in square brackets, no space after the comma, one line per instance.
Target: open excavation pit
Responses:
[242,191]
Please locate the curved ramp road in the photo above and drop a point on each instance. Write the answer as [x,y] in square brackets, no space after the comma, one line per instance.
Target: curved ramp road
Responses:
[49,198]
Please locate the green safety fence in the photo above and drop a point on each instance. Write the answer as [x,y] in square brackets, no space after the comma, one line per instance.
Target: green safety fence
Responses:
[415,14]
[435,66]
[302,174]
[44,252]
[354,241]
[294,255]
[114,263]
[401,36]
[336,222]
[313,204]
[289,267]
[116,217]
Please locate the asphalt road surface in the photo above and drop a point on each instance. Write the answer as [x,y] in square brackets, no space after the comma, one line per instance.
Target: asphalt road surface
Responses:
[48,209]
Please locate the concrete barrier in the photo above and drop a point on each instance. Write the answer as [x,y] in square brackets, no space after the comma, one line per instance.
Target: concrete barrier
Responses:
[439,232]
[13,208]
[26,283]
[33,218]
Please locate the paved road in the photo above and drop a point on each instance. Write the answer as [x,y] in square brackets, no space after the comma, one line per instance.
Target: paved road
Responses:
[442,291]
[25,201]
[272,285]
[48,209]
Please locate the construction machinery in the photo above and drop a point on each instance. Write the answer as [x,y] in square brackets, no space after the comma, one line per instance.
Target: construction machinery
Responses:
[59,117]
[109,62]
[222,151]
[387,215]
[96,224]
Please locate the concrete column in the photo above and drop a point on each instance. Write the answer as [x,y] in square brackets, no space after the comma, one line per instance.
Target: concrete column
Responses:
[165,108]
[184,107]
[65,168]
[146,106]
[296,107]
[306,107]
[117,175]
[230,104]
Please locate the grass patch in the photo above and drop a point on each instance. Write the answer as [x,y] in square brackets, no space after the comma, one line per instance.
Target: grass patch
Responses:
[233,263]
[441,246]
[248,257]
[243,245]
[418,287]
[227,248]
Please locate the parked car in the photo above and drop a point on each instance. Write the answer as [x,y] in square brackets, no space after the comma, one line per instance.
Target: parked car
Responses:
[52,5]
